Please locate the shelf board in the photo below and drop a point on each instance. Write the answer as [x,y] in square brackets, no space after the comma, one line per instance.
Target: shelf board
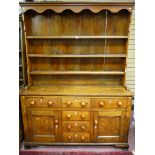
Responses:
[76,73]
[77,37]
[77,55]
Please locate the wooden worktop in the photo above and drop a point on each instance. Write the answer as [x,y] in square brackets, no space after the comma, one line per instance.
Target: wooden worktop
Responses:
[75,90]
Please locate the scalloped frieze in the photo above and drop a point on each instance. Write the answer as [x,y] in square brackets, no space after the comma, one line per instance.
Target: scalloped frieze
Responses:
[76,8]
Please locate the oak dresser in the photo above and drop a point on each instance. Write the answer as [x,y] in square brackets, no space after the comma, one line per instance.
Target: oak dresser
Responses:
[76,57]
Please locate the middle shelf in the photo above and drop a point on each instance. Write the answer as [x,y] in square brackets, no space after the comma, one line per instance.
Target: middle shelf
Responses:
[77,72]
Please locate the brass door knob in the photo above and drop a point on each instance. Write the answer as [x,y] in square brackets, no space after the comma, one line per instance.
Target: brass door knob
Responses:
[83,127]
[50,103]
[69,116]
[83,104]
[69,127]
[69,103]
[32,102]
[83,116]
[96,123]
[101,104]
[83,138]
[56,121]
[119,103]
[69,137]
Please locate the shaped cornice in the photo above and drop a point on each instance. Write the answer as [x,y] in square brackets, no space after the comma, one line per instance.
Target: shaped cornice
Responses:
[76,7]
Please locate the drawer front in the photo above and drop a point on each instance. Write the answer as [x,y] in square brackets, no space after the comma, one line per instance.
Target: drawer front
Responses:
[79,137]
[107,103]
[75,115]
[47,102]
[75,103]
[81,126]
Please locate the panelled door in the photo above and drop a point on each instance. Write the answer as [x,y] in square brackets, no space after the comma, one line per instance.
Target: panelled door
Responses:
[43,125]
[109,126]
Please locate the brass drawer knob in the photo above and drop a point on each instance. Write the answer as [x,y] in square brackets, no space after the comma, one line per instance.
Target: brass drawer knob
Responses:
[76,136]
[83,104]
[95,122]
[69,103]
[119,104]
[101,104]
[69,127]
[50,103]
[83,127]
[69,116]
[83,116]
[32,102]
[69,137]
[83,138]
[56,121]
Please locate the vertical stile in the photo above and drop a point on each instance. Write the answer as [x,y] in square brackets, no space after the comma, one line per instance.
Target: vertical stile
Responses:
[126,49]
[80,32]
[27,50]
[48,25]
[105,43]
[22,54]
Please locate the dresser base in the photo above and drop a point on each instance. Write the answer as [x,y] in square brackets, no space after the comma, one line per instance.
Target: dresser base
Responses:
[76,120]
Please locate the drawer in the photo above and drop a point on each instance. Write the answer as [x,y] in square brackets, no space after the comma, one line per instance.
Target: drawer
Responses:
[79,137]
[47,102]
[76,126]
[51,102]
[75,115]
[108,103]
[75,103]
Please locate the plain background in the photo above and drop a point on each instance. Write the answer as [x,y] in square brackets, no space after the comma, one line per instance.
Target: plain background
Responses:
[144,77]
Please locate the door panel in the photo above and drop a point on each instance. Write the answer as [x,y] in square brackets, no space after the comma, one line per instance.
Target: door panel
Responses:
[108,126]
[43,125]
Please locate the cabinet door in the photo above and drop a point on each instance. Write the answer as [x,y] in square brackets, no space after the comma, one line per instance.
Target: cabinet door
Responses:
[108,126]
[43,125]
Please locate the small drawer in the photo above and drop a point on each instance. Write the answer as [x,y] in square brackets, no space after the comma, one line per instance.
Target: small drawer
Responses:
[38,102]
[34,101]
[110,103]
[76,126]
[79,137]
[76,103]
[75,115]
[51,102]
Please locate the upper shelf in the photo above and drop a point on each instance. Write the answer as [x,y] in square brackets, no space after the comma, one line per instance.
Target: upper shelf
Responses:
[77,55]
[77,37]
[95,7]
